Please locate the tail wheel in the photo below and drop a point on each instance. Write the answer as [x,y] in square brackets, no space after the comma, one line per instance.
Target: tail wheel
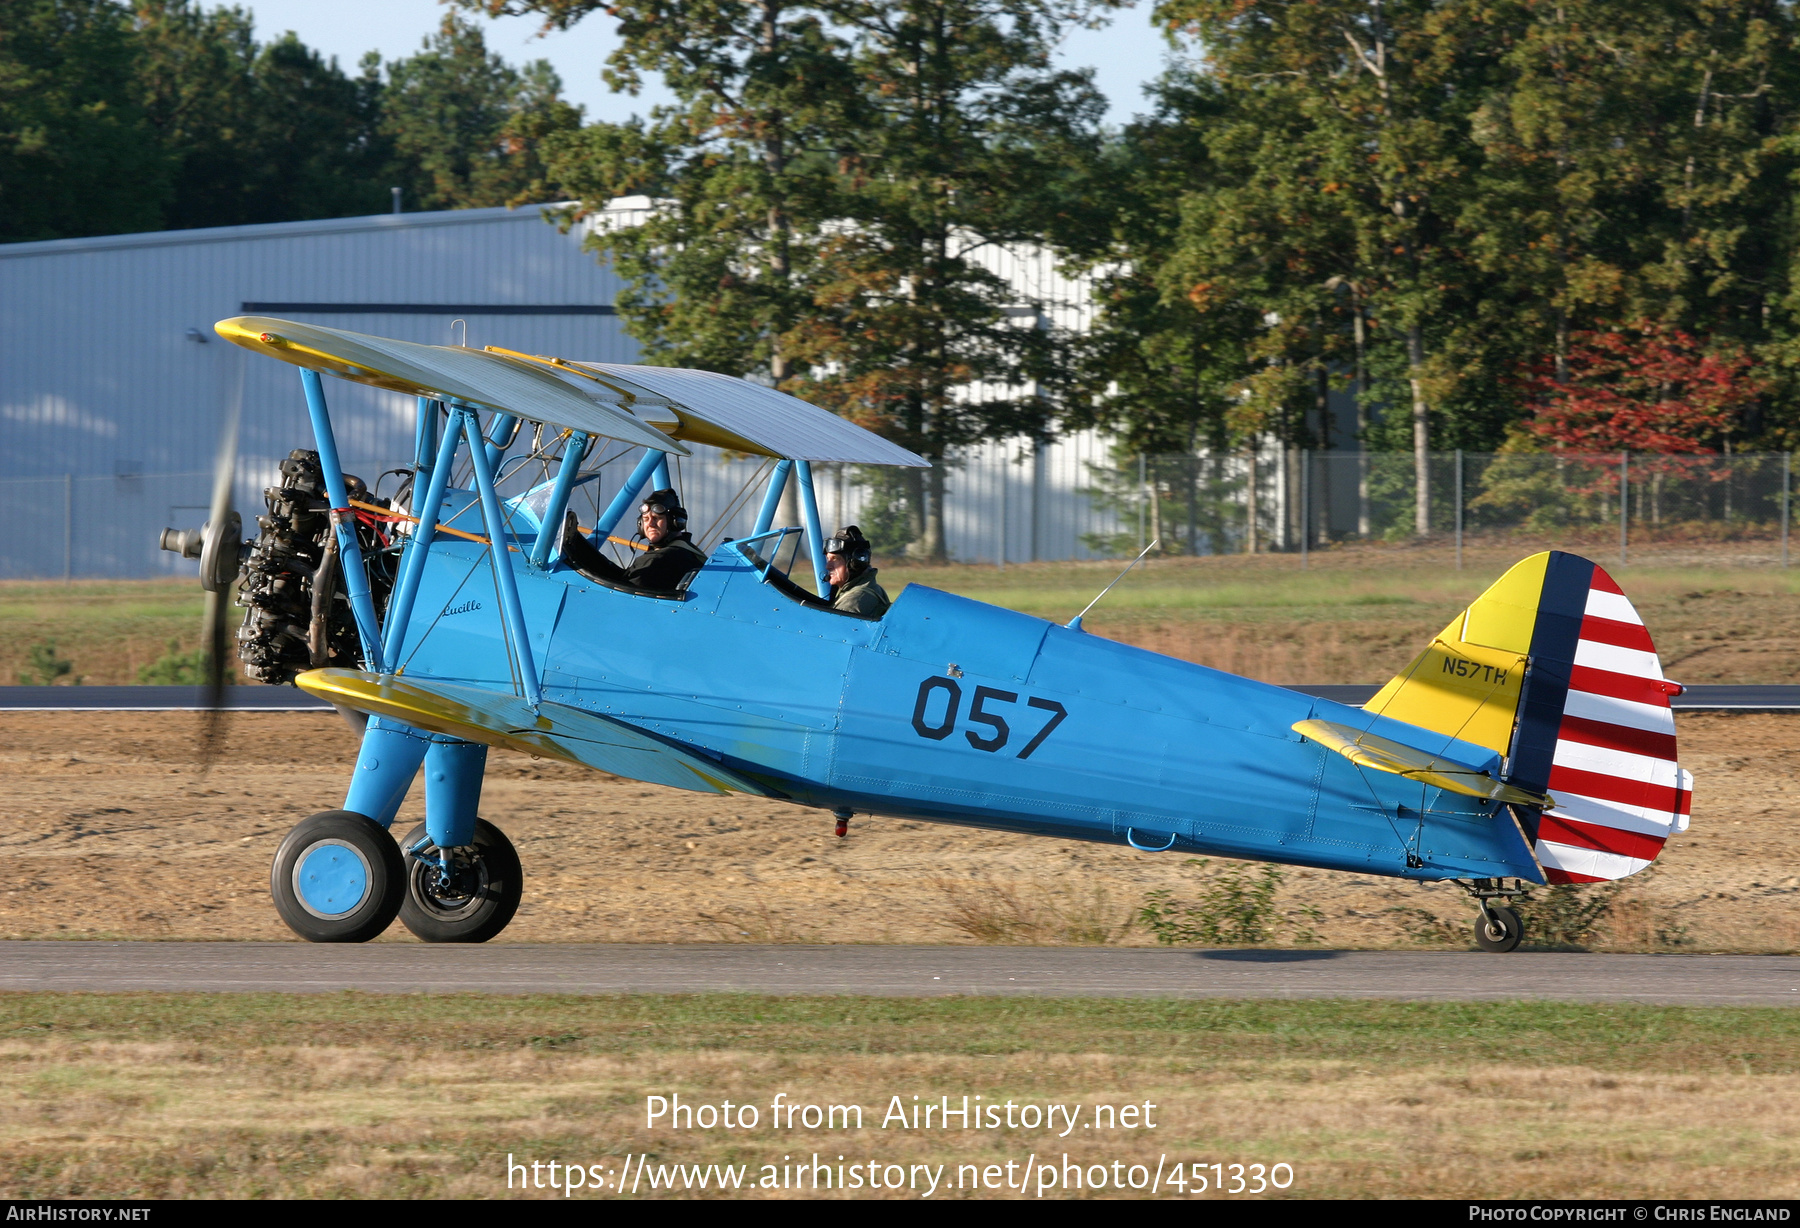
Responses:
[337,877]
[1498,928]
[470,899]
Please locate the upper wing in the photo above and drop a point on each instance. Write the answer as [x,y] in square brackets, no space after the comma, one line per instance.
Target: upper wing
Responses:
[734,413]
[475,377]
[555,731]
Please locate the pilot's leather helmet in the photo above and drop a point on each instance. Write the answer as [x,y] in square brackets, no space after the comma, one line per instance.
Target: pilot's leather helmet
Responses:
[850,542]
[666,501]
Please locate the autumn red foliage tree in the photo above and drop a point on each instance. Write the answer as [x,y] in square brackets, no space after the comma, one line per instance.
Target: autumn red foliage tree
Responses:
[1642,389]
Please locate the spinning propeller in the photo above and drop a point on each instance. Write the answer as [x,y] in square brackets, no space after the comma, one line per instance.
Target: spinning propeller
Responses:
[220,547]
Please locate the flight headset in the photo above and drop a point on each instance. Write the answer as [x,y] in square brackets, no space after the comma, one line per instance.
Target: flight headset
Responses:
[855,548]
[668,502]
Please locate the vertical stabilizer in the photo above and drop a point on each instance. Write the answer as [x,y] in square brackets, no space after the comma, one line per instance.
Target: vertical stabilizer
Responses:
[1553,667]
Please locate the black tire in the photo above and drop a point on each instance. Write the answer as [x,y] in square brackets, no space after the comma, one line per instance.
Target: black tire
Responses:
[1498,928]
[337,858]
[477,903]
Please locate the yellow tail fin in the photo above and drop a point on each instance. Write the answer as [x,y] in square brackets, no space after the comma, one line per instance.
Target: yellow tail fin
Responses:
[1467,681]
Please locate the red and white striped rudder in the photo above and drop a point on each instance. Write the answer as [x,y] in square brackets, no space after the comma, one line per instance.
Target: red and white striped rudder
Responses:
[1619,792]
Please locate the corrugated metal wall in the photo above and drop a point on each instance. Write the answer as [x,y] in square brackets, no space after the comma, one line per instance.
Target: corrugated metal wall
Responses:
[110,405]
[102,380]
[1035,499]
[99,374]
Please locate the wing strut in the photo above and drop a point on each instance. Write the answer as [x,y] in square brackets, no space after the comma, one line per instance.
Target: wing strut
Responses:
[504,580]
[343,521]
[412,562]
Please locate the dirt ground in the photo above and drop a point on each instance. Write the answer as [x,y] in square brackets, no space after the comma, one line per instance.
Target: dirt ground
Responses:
[109,831]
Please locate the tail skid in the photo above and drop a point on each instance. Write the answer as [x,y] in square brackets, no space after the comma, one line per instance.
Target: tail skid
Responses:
[1553,668]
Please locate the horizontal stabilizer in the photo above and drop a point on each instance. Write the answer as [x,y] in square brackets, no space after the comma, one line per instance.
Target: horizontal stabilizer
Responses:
[1386,755]
[555,731]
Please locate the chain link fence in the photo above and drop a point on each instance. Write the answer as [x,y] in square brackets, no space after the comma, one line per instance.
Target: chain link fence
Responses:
[1016,504]
[1296,500]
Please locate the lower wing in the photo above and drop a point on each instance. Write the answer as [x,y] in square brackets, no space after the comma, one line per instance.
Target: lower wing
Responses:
[554,731]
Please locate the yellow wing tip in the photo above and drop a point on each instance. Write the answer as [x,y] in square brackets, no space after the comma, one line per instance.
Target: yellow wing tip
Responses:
[416,369]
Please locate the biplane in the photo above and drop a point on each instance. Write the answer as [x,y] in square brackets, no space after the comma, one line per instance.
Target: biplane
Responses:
[1531,741]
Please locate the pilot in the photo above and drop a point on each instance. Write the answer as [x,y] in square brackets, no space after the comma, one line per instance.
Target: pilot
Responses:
[853,589]
[669,559]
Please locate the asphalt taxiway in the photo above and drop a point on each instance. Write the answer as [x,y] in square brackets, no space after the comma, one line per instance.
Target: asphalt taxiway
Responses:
[896,971]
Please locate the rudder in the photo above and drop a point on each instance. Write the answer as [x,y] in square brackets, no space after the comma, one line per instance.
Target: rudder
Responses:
[1553,667]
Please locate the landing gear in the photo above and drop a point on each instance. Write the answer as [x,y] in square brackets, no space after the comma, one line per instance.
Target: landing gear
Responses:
[466,894]
[337,877]
[340,877]
[1498,928]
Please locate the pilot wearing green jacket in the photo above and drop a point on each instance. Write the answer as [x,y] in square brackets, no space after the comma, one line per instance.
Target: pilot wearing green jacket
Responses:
[853,588]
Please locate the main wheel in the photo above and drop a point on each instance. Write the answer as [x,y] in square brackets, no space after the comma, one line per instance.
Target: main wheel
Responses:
[337,878]
[1498,928]
[471,903]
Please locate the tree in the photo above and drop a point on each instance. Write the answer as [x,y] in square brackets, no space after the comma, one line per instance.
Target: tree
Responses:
[257,133]
[1646,388]
[1161,366]
[77,153]
[324,154]
[1344,143]
[1649,389]
[196,75]
[826,190]
[465,128]
[970,145]
[1632,164]
[150,114]
[743,169]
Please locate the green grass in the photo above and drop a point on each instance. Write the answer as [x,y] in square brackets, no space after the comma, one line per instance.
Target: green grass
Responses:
[389,1096]
[1354,615]
[108,628]
[1620,1037]
[1275,587]
[112,604]
[1358,615]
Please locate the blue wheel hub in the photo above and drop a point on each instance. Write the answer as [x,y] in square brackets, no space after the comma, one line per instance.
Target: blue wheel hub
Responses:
[331,879]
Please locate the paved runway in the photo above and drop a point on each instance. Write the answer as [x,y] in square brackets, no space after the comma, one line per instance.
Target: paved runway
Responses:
[1684,980]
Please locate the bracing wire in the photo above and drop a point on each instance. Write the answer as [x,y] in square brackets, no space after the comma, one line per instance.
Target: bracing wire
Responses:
[416,644]
[723,521]
[512,662]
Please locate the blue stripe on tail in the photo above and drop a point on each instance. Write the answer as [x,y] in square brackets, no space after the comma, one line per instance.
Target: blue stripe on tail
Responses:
[1561,606]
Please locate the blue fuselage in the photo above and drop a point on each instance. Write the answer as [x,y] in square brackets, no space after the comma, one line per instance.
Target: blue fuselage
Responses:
[956,711]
